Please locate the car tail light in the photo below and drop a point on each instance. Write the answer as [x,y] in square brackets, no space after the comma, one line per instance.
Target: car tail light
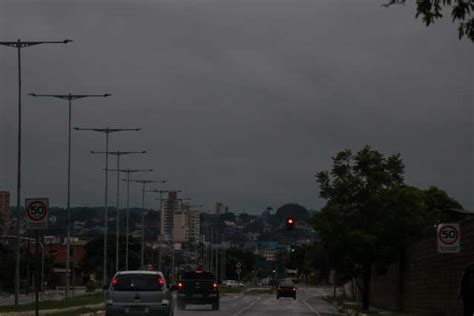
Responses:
[114,281]
[294,289]
[160,281]
[180,285]
[215,285]
[278,288]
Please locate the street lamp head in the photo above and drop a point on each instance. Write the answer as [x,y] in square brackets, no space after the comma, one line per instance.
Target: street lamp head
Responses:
[107,95]
[67,41]
[32,94]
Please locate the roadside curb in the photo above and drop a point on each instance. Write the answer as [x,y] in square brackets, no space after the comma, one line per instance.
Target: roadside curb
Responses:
[56,311]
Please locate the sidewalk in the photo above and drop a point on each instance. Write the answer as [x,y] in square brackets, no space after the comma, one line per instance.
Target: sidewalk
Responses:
[352,308]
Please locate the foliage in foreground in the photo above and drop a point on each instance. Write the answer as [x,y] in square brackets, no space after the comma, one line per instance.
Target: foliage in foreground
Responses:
[371,215]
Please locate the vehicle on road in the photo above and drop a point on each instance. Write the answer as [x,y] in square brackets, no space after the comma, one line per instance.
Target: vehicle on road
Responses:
[198,287]
[139,293]
[286,289]
[232,283]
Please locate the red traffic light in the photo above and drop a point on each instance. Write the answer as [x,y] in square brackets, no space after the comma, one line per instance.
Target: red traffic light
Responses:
[290,223]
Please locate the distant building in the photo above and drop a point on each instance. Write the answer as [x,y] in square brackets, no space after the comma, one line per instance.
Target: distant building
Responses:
[219,208]
[193,223]
[4,212]
[270,255]
[186,224]
[179,226]
[169,207]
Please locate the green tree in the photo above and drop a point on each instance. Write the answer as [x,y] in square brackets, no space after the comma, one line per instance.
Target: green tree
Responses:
[298,212]
[351,222]
[372,217]
[432,10]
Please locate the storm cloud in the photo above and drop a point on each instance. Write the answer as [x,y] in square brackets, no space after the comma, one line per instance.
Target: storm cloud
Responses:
[240,101]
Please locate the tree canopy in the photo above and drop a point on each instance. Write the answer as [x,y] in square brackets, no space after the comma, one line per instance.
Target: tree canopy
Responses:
[371,215]
[432,10]
[298,212]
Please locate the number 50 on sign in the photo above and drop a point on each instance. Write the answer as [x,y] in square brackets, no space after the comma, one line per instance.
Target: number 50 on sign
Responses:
[37,213]
[449,236]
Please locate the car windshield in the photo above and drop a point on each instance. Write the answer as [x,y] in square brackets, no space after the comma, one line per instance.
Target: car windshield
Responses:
[137,282]
[198,275]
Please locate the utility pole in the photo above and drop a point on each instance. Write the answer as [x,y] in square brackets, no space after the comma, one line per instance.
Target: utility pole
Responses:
[117,220]
[106,131]
[144,183]
[70,97]
[19,44]
[127,218]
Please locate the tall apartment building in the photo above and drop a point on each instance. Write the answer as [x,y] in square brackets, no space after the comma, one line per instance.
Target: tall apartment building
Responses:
[169,207]
[179,226]
[186,223]
[193,223]
[4,212]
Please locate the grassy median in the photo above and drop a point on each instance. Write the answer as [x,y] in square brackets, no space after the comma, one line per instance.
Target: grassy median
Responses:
[82,300]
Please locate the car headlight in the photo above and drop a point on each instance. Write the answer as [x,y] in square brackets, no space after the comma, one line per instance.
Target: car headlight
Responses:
[109,301]
[165,302]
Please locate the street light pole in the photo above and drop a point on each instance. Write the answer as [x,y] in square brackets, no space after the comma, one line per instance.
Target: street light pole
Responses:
[117,228]
[107,131]
[70,97]
[127,220]
[19,44]
[144,183]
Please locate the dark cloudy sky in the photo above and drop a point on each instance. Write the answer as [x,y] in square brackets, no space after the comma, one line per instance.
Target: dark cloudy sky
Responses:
[240,101]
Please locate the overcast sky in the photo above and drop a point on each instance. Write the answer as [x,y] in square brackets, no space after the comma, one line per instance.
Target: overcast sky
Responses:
[240,101]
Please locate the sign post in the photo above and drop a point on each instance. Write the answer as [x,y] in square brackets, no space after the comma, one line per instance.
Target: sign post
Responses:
[37,219]
[238,270]
[449,237]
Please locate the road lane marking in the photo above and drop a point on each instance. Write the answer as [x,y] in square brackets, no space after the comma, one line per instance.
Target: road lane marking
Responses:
[247,307]
[311,308]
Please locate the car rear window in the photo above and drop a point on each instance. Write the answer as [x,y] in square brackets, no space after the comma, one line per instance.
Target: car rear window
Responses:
[198,275]
[137,282]
[287,285]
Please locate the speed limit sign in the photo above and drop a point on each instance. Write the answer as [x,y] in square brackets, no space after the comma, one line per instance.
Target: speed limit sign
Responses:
[449,236]
[37,213]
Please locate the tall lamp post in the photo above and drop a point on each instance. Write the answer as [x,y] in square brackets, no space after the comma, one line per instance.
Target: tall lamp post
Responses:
[117,230]
[70,97]
[127,221]
[144,183]
[19,44]
[106,131]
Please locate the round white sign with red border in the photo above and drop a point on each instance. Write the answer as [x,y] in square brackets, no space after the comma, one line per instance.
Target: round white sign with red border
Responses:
[449,236]
[37,213]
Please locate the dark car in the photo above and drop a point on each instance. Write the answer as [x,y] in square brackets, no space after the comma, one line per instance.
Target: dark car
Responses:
[198,287]
[139,293]
[286,289]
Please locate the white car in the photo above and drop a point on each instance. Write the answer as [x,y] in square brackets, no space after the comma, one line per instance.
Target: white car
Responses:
[232,283]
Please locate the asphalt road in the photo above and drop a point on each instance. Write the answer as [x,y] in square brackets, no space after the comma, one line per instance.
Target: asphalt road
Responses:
[308,303]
